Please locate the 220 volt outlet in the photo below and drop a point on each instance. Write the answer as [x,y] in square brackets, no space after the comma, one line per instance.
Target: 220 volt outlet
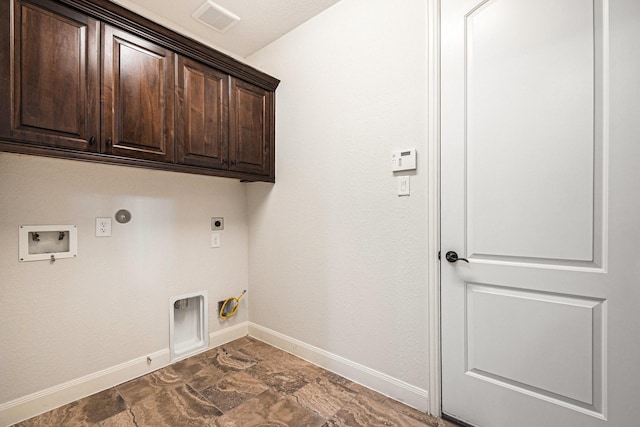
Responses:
[217,223]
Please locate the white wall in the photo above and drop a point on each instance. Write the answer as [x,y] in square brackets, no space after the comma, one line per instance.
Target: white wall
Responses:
[65,320]
[338,260]
[335,258]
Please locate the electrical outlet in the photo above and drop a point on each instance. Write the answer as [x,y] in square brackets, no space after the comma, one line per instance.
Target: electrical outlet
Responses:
[217,223]
[103,227]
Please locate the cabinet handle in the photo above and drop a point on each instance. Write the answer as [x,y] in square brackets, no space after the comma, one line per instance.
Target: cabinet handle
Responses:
[109,142]
[92,140]
[233,162]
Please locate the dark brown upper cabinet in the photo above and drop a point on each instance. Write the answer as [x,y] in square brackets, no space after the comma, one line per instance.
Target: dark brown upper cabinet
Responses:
[251,146]
[221,128]
[91,80]
[137,92]
[54,98]
[202,113]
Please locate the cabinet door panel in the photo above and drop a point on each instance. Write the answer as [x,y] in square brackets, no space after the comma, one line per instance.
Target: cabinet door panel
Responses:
[252,124]
[203,111]
[55,77]
[138,97]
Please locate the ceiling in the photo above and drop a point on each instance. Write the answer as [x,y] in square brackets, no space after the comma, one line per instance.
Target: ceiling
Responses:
[261,21]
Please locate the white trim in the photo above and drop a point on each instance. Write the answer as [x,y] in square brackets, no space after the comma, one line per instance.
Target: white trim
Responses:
[45,400]
[382,383]
[229,334]
[433,205]
[53,397]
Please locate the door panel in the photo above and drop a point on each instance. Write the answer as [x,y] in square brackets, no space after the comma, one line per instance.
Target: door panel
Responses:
[539,342]
[138,95]
[544,148]
[251,141]
[55,96]
[203,111]
[539,181]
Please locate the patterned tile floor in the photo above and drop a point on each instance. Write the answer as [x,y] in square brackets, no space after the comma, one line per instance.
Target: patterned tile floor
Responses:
[245,383]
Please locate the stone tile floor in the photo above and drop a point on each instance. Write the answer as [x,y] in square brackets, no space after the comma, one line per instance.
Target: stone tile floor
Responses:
[245,383]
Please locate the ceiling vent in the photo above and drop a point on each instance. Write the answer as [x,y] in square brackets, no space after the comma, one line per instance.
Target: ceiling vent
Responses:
[215,16]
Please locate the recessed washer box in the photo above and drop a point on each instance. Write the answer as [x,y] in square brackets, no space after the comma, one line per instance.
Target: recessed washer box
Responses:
[42,242]
[188,324]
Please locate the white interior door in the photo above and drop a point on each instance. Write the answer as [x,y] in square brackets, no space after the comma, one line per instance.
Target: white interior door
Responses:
[540,146]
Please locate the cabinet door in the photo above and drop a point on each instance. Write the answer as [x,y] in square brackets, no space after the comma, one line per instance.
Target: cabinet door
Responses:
[138,93]
[251,143]
[54,74]
[203,115]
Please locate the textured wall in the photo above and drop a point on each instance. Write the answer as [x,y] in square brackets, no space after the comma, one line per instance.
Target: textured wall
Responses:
[337,259]
[109,305]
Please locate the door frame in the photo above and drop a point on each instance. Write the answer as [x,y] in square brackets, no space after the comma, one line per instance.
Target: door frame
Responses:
[433,207]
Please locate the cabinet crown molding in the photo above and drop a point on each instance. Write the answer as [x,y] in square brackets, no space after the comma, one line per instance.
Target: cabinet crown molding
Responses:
[127,20]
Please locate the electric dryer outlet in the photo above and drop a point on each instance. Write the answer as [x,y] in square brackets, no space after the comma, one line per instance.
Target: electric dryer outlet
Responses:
[217,223]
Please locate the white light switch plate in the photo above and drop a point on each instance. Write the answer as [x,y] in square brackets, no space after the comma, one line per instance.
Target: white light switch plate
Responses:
[215,239]
[403,186]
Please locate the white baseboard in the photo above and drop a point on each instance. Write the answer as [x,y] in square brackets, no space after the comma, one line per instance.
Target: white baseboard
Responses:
[382,383]
[53,397]
[228,334]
